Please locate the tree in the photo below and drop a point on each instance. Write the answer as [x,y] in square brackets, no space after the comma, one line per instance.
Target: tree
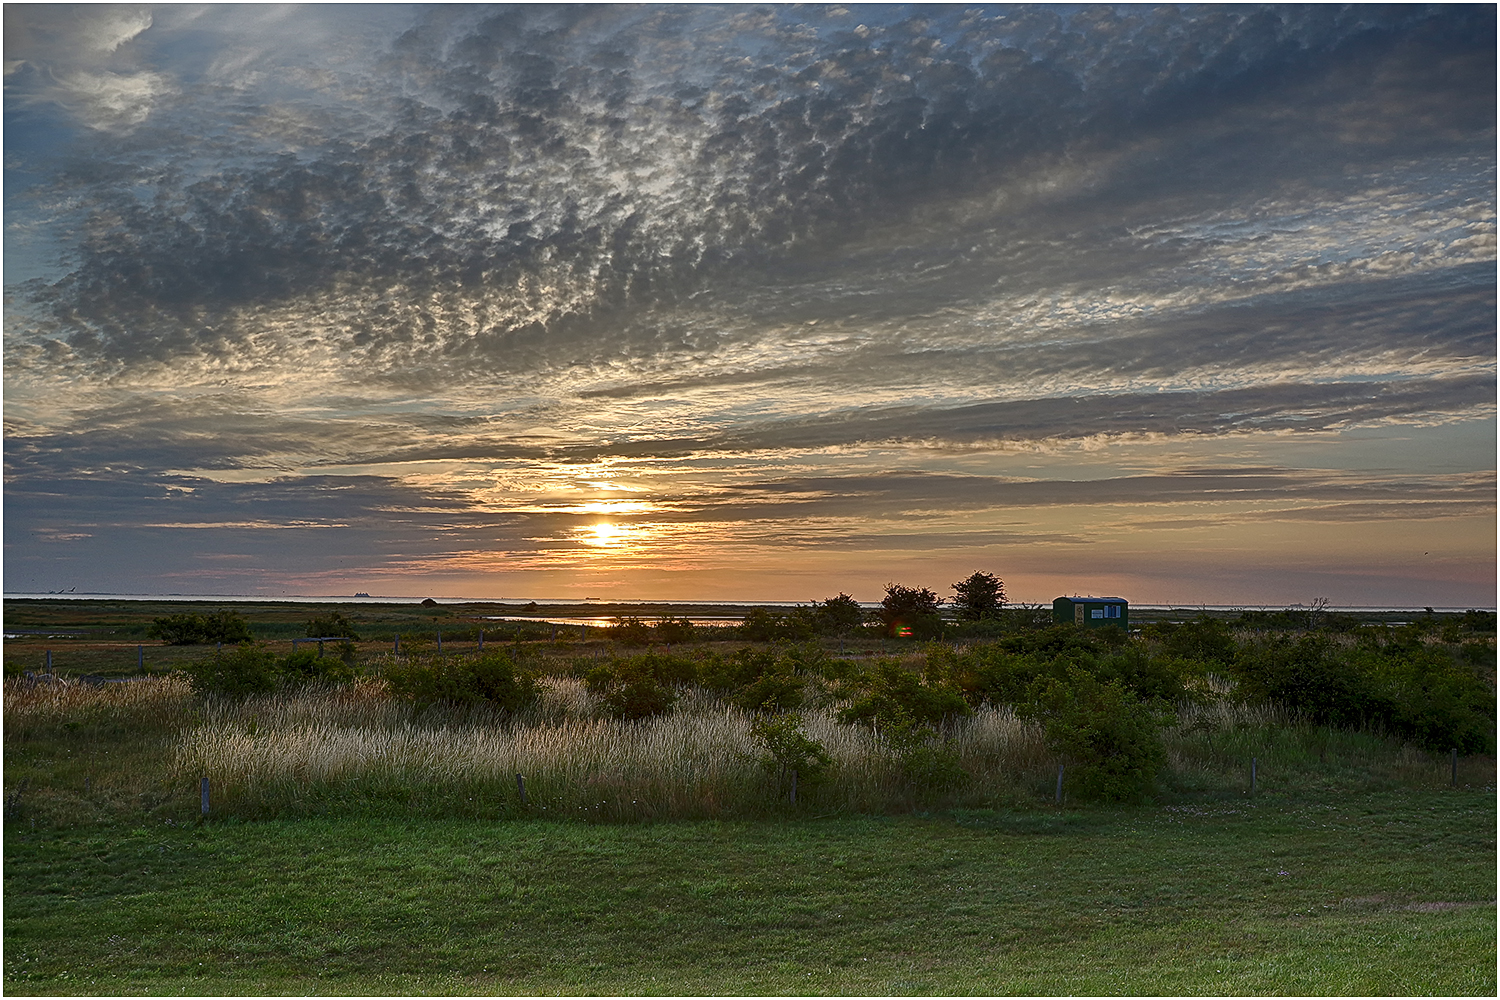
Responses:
[910,611]
[839,615]
[980,596]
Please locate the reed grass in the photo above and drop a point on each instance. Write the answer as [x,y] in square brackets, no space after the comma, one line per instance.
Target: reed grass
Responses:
[278,754]
[150,705]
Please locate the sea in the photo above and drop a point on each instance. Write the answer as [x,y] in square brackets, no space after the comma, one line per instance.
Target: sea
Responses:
[387,599]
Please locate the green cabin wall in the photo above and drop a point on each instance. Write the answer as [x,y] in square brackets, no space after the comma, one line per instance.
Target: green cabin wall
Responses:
[1065,611]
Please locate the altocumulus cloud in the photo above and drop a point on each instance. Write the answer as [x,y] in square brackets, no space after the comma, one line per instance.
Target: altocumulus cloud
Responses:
[396,275]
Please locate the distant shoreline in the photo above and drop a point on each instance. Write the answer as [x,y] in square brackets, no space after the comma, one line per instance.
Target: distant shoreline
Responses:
[644,606]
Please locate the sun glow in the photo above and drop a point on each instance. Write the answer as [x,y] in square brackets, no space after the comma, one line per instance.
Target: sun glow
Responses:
[606,535]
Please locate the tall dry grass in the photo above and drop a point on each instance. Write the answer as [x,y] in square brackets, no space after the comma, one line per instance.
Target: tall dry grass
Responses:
[151,705]
[283,753]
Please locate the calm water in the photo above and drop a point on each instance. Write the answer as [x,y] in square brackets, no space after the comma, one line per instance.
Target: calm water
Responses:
[350,599]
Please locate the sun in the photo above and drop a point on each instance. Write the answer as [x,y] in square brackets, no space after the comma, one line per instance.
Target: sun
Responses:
[606,535]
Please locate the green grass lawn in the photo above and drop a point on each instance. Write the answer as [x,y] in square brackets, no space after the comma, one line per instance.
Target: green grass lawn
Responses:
[1377,893]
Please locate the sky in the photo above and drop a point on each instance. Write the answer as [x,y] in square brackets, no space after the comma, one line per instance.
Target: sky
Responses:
[1189,305]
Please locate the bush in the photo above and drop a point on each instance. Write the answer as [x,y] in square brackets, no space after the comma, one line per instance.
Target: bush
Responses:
[1110,741]
[777,690]
[228,627]
[331,624]
[249,669]
[789,749]
[893,695]
[306,666]
[1307,674]
[839,615]
[491,679]
[925,756]
[254,669]
[1479,621]
[670,630]
[640,686]
[910,612]
[760,679]
[765,625]
[630,632]
[1405,686]
[1203,638]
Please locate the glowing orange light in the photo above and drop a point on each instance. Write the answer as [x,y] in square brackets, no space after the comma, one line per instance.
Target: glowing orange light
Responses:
[606,535]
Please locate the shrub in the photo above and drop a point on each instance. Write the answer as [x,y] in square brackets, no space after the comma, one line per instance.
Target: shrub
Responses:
[671,630]
[1479,621]
[1403,685]
[228,627]
[1149,678]
[491,679]
[630,631]
[894,694]
[924,755]
[777,690]
[1203,639]
[249,669]
[1477,652]
[306,666]
[765,625]
[332,624]
[761,679]
[910,611]
[640,686]
[839,615]
[1111,740]
[790,749]
[1306,674]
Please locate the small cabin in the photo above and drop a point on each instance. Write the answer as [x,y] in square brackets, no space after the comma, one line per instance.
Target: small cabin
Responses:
[1092,612]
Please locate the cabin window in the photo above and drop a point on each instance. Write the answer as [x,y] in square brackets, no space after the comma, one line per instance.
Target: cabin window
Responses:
[1096,613]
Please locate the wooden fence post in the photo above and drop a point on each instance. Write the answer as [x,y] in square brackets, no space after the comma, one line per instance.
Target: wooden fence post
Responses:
[203,790]
[521,787]
[1455,767]
[1059,784]
[1253,762]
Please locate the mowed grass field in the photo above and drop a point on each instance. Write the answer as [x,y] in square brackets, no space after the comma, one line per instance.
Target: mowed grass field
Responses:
[1375,893]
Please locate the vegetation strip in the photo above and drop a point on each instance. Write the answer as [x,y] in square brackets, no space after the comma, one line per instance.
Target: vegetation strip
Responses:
[1201,806]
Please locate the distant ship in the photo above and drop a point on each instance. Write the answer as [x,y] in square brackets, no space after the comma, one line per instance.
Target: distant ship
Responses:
[361,594]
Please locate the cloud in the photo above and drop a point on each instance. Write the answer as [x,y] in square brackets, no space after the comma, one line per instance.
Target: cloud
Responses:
[274,243]
[82,59]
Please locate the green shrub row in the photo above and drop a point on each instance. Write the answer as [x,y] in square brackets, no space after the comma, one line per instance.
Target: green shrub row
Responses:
[491,678]
[251,668]
[228,627]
